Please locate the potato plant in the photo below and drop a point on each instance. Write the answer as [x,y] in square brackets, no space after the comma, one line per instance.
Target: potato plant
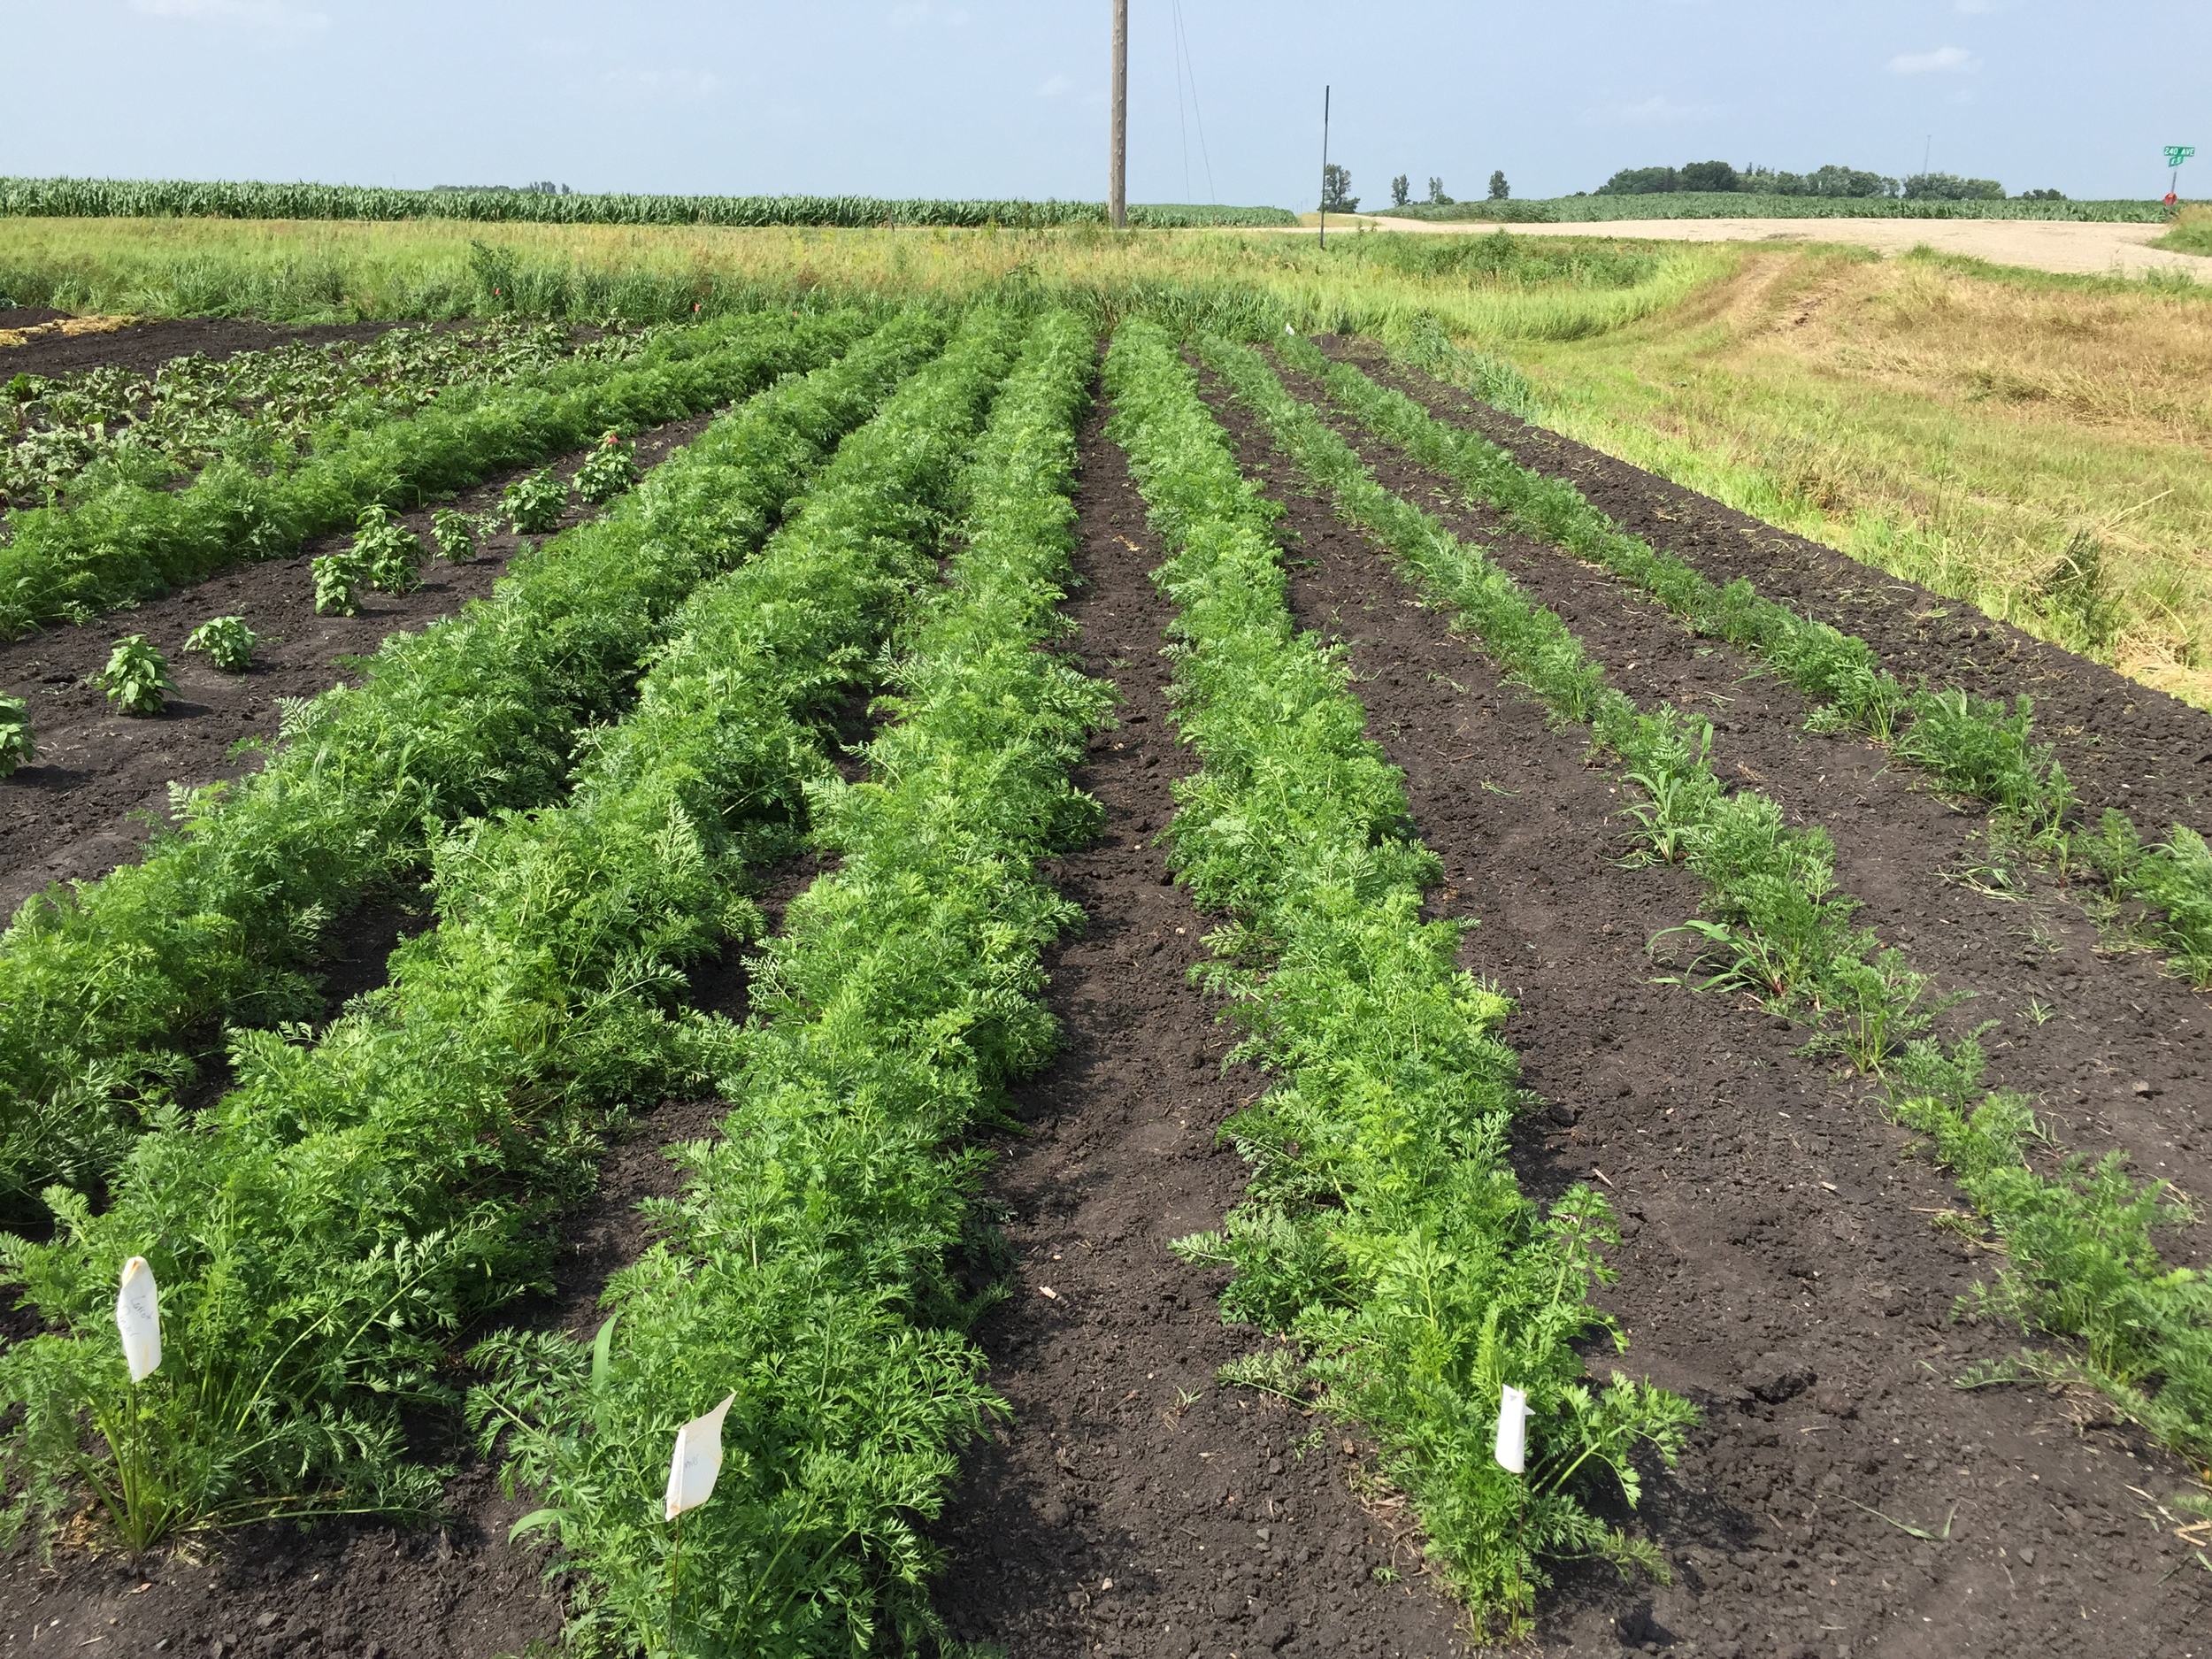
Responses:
[16,747]
[534,505]
[228,642]
[338,580]
[607,472]
[136,677]
[456,535]
[388,553]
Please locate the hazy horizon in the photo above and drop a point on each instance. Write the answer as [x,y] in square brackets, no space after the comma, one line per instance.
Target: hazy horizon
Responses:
[921,98]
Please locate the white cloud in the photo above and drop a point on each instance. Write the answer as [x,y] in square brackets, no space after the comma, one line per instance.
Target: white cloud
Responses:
[1945,60]
[1665,110]
[663,83]
[1055,86]
[266,14]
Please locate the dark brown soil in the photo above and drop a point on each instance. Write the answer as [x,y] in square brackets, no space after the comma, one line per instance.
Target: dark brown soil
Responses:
[101,779]
[1134,1507]
[1780,1266]
[2112,1046]
[145,346]
[2123,744]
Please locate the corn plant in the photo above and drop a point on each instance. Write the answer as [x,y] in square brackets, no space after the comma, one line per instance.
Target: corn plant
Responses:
[136,677]
[535,503]
[455,534]
[387,553]
[338,580]
[228,642]
[16,747]
[607,472]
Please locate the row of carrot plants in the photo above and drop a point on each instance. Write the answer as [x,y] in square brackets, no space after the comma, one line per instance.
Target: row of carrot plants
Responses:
[104,990]
[809,1265]
[1384,1229]
[2080,1258]
[321,1234]
[135,538]
[1970,745]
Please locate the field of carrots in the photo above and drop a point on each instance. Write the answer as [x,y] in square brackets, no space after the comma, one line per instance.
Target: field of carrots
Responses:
[1194,993]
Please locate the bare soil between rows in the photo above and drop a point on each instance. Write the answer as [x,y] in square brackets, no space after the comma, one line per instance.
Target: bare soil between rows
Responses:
[1780,1268]
[2123,744]
[100,783]
[145,346]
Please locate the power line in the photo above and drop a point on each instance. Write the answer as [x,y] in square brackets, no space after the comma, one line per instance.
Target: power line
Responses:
[1190,64]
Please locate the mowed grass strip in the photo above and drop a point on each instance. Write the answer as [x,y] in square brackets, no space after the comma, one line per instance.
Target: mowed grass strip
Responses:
[2080,1253]
[321,1235]
[102,988]
[1384,1230]
[809,1265]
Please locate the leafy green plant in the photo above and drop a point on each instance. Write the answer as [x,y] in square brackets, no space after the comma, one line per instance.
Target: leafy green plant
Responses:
[1412,1299]
[222,919]
[535,503]
[388,553]
[607,472]
[16,747]
[136,677]
[338,577]
[455,534]
[887,1020]
[383,1181]
[227,641]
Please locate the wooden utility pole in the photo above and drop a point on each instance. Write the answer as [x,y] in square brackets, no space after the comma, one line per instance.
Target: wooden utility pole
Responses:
[1118,163]
[1324,165]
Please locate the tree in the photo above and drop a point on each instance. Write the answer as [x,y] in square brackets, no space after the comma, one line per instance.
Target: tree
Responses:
[1707,175]
[1437,198]
[1336,190]
[1642,181]
[2041,196]
[1948,187]
[1499,188]
[1401,191]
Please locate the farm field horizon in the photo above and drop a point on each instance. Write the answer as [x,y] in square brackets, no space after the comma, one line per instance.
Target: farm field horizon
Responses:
[1113,893]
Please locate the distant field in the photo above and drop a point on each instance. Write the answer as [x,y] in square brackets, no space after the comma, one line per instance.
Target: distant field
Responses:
[161,198]
[1738,204]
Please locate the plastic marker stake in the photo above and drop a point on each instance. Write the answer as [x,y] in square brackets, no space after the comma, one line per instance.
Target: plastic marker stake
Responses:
[138,1317]
[1512,1453]
[698,1460]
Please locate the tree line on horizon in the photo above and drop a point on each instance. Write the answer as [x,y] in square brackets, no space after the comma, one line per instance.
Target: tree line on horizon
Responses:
[1720,177]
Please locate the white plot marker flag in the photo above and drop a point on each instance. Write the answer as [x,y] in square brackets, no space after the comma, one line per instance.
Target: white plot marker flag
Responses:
[138,1317]
[1512,1451]
[698,1460]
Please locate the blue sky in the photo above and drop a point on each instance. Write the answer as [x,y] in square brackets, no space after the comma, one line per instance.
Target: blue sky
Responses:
[981,97]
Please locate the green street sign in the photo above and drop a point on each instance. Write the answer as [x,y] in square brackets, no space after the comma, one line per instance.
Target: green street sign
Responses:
[2176,154]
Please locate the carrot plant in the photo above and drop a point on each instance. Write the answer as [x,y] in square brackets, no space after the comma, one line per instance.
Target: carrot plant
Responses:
[1384,1228]
[1970,745]
[100,985]
[2080,1261]
[360,1196]
[804,1265]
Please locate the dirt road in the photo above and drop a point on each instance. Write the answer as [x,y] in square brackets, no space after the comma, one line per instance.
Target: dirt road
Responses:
[2039,244]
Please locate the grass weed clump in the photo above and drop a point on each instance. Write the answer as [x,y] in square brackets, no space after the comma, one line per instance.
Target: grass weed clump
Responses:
[370,1191]
[1384,1228]
[224,916]
[806,1263]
